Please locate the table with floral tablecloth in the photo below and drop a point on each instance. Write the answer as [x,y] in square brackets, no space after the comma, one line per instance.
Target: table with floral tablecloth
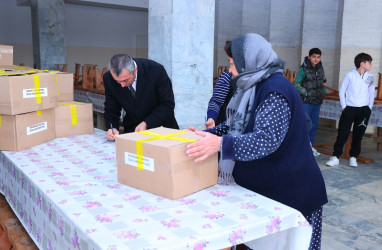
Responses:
[331,109]
[89,97]
[65,193]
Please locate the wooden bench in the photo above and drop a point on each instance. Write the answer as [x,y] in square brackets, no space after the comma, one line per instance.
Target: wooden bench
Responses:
[12,232]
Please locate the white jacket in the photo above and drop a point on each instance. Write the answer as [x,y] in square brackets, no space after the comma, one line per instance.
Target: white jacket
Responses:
[357,90]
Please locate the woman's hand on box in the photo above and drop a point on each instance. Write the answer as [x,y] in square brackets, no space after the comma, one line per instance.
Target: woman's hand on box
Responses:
[206,146]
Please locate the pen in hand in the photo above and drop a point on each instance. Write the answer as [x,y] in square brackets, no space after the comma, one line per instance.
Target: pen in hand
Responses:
[112,130]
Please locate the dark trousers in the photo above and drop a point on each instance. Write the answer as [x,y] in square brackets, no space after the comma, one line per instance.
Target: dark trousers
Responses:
[359,118]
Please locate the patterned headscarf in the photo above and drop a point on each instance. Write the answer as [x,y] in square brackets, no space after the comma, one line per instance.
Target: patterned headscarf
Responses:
[255,61]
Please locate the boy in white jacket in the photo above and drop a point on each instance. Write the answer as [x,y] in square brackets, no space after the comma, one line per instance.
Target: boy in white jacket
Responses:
[356,93]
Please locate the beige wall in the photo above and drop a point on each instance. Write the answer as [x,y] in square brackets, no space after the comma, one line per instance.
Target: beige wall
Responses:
[290,55]
[76,54]
[97,55]
[347,60]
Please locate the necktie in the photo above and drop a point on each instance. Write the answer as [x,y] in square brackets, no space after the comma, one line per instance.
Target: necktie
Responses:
[132,90]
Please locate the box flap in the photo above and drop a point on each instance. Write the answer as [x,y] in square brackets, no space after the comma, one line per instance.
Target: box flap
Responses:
[162,142]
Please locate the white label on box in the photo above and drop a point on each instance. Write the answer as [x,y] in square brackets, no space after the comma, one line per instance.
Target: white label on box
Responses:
[131,159]
[6,51]
[29,93]
[37,128]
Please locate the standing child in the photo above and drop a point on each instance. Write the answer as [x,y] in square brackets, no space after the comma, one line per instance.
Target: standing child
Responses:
[357,98]
[221,96]
[310,83]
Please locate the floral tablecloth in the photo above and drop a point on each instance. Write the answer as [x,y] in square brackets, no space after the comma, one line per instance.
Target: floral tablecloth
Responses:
[65,193]
[89,97]
[331,109]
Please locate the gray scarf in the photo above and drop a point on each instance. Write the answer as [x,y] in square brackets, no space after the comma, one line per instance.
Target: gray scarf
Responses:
[255,61]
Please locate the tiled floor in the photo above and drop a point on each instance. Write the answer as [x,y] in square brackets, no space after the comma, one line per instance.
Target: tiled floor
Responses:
[353,217]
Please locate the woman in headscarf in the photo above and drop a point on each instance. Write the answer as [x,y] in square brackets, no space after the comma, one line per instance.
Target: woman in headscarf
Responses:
[264,143]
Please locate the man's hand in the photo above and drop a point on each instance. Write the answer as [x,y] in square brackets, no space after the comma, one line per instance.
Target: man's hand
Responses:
[205,147]
[111,133]
[210,123]
[141,127]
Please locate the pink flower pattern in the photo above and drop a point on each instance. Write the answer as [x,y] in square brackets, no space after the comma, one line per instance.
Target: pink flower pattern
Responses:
[91,204]
[161,237]
[237,237]
[220,193]
[64,183]
[171,223]
[89,231]
[129,197]
[249,206]
[131,234]
[106,217]
[243,217]
[200,245]
[213,215]
[274,226]
[79,192]
[88,170]
[139,220]
[147,209]
[101,177]
[62,202]
[187,202]
[116,186]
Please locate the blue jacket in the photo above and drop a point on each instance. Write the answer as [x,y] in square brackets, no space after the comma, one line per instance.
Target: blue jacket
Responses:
[290,175]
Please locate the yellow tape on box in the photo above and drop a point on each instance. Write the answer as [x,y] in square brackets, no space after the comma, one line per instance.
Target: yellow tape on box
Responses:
[139,143]
[73,111]
[29,71]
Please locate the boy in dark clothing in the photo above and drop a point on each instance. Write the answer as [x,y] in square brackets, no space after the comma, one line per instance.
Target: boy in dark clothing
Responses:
[310,83]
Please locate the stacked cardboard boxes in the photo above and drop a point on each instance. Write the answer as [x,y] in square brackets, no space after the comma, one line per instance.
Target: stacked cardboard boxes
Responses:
[28,100]
[71,118]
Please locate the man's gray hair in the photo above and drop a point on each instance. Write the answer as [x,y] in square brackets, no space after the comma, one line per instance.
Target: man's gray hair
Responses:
[120,62]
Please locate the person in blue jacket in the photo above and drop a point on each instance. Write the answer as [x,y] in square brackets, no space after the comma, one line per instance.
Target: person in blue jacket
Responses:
[223,91]
[264,143]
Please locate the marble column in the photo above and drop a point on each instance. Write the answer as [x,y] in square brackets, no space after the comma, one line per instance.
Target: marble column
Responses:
[181,38]
[48,28]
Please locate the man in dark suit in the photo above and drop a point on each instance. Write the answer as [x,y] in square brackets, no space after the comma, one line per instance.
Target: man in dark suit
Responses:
[143,89]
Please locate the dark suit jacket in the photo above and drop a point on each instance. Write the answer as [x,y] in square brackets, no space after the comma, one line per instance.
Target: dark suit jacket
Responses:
[153,103]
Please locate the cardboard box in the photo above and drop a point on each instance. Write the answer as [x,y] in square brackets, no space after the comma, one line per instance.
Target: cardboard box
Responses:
[6,55]
[18,132]
[18,93]
[65,87]
[167,170]
[64,80]
[73,118]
